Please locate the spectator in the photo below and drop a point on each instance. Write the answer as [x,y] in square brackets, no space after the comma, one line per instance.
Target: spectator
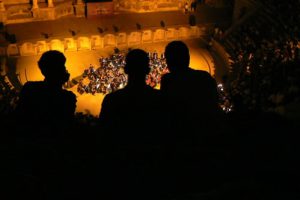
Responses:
[191,99]
[128,115]
[44,104]
[45,113]
[190,94]
[134,102]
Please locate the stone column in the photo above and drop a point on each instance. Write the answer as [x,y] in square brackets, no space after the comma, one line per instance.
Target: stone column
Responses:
[79,9]
[2,7]
[50,4]
[79,2]
[35,4]
[116,4]
[3,13]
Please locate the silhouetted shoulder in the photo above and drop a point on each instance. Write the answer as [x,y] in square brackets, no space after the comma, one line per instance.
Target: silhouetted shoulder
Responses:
[204,76]
[201,72]
[37,98]
[32,86]
[127,97]
[37,88]
[70,96]
[29,91]
[127,104]
[188,79]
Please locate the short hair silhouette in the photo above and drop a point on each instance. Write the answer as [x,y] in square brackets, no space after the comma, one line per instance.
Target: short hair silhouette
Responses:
[45,102]
[177,56]
[200,89]
[137,63]
[190,99]
[52,66]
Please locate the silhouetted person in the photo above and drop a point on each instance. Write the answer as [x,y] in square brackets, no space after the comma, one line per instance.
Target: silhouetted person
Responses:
[46,35]
[189,94]
[73,33]
[138,26]
[135,104]
[162,24]
[191,99]
[45,104]
[45,112]
[116,29]
[100,30]
[130,116]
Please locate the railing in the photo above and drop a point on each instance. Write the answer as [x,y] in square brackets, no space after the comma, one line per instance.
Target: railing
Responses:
[24,13]
[64,9]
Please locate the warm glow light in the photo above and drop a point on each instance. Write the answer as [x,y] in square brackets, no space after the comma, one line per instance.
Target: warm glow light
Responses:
[80,60]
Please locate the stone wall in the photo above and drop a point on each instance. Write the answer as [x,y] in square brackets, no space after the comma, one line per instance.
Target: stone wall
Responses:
[9,2]
[100,8]
[101,41]
[147,5]
[11,13]
[64,9]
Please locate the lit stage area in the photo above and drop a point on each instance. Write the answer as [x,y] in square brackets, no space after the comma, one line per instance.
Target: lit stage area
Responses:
[78,61]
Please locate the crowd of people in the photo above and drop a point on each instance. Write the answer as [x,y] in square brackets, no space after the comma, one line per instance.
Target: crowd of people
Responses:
[110,76]
[8,96]
[106,79]
[265,55]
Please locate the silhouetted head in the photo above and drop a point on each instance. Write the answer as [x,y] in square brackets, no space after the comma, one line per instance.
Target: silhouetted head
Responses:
[52,66]
[177,56]
[137,63]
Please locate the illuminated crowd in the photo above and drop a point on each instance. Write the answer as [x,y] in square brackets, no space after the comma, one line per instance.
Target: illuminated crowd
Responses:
[265,60]
[105,79]
[110,76]
[8,95]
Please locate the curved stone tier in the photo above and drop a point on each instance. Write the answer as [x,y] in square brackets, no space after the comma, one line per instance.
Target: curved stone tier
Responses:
[148,5]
